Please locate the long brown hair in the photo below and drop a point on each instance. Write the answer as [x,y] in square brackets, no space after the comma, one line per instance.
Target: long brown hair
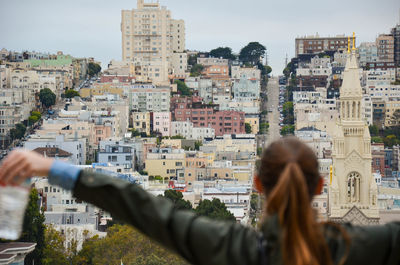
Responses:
[289,175]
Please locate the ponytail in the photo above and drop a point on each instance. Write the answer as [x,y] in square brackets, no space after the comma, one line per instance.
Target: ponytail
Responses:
[302,240]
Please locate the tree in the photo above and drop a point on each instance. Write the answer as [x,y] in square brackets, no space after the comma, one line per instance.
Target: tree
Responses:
[268,69]
[197,145]
[33,119]
[287,130]
[390,140]
[252,53]
[18,132]
[47,97]
[183,89]
[192,59]
[177,198]
[54,251]
[373,130]
[376,139]
[196,70]
[34,229]
[247,127]
[71,93]
[124,242]
[288,114]
[214,209]
[93,69]
[223,52]
[264,127]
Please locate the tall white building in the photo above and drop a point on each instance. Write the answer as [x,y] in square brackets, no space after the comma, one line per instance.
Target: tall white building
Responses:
[352,191]
[151,38]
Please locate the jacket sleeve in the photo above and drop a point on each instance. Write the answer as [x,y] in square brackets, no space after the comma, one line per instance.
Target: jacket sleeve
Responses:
[198,239]
[378,244]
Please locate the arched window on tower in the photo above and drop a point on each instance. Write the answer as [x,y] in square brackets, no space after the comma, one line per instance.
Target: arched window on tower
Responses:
[353,187]
[353,114]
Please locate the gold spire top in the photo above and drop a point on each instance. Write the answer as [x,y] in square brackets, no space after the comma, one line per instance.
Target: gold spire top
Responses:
[354,41]
[348,44]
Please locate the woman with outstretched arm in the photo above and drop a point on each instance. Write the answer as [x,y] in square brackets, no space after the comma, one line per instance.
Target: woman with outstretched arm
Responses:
[289,178]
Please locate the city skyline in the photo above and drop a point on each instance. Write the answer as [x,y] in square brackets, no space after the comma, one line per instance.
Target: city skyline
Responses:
[51,26]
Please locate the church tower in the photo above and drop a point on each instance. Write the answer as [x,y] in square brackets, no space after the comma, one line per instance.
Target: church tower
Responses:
[352,191]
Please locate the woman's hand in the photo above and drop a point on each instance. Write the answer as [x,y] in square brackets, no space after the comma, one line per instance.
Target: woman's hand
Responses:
[22,164]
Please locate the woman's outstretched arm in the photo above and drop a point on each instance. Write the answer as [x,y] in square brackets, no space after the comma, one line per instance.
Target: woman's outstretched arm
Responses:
[199,240]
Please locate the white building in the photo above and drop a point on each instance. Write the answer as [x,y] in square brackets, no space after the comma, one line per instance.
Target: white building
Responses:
[150,37]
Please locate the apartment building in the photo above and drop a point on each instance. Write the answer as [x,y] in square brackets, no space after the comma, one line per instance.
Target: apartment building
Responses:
[385,46]
[117,153]
[161,123]
[368,53]
[238,72]
[246,89]
[164,162]
[150,37]
[148,98]
[316,44]
[140,121]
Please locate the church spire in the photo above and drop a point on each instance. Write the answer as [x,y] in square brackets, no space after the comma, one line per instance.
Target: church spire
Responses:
[348,44]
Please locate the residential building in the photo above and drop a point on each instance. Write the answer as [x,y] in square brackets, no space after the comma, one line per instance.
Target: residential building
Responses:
[210,61]
[148,98]
[161,123]
[254,121]
[316,44]
[246,89]
[396,37]
[378,158]
[117,153]
[164,162]
[141,122]
[368,53]
[149,38]
[75,146]
[239,72]
[385,45]
[319,141]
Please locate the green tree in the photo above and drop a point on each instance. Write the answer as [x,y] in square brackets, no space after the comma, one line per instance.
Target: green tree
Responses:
[33,119]
[247,127]
[54,251]
[183,89]
[268,69]
[196,69]
[197,145]
[177,198]
[192,59]
[376,139]
[71,93]
[287,130]
[47,97]
[18,132]
[37,114]
[263,128]
[390,140]
[34,229]
[373,130]
[125,243]
[288,114]
[177,137]
[93,69]
[223,52]
[214,209]
[252,53]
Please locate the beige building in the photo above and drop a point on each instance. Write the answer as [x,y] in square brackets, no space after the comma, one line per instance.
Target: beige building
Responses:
[353,191]
[165,164]
[101,89]
[149,38]
[254,121]
[141,121]
[385,45]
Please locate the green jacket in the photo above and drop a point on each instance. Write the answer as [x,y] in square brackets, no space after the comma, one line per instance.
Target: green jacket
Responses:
[203,241]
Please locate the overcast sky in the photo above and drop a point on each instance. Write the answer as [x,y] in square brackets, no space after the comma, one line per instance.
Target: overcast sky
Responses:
[91,28]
